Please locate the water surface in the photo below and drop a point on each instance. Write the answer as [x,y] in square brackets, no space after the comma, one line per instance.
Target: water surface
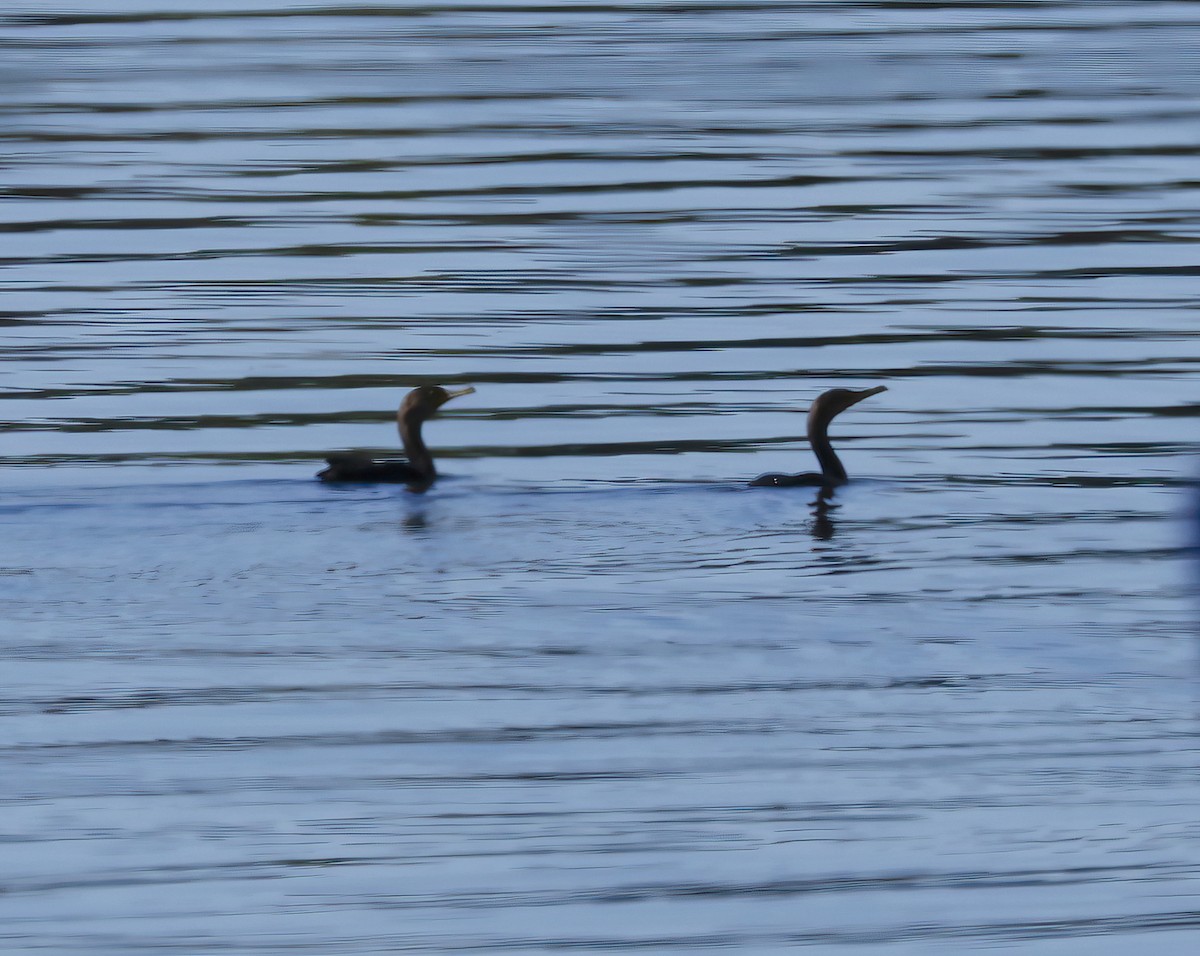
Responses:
[592,693]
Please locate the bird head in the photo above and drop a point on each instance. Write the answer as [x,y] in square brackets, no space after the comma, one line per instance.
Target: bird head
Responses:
[832,403]
[424,400]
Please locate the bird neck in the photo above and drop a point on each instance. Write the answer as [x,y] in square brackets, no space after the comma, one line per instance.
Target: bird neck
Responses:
[414,446]
[818,437]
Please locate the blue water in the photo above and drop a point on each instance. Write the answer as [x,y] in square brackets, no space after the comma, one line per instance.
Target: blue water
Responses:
[592,692]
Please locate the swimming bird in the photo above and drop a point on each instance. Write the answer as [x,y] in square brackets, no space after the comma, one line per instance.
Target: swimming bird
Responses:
[827,406]
[418,472]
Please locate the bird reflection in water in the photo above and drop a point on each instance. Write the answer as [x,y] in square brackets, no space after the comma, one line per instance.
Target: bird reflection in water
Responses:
[415,522]
[418,472]
[823,526]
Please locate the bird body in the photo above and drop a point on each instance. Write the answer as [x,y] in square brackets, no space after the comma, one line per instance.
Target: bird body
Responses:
[418,472]
[808,479]
[359,466]
[827,406]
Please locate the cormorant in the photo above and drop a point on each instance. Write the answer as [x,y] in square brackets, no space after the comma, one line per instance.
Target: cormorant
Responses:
[418,472]
[827,406]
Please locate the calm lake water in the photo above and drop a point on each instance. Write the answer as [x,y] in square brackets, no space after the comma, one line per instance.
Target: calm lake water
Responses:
[592,693]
